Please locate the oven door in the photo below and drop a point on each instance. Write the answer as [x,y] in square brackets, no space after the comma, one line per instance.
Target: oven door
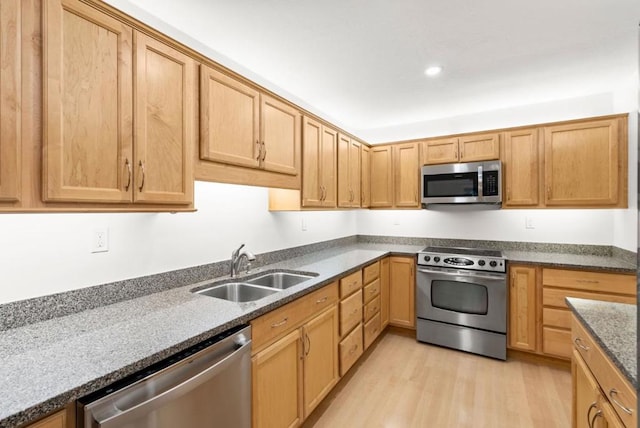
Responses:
[471,299]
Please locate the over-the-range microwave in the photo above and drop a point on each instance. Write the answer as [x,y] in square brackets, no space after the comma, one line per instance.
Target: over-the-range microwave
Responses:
[469,184]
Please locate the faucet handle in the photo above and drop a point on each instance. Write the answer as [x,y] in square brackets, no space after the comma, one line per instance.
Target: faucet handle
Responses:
[235,252]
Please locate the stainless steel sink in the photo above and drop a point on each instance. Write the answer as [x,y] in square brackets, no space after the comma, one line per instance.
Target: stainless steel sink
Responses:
[238,292]
[279,280]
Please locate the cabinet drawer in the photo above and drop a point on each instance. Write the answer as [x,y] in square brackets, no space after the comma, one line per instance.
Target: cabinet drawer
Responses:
[371,330]
[284,319]
[556,317]
[371,272]
[590,281]
[555,297]
[556,342]
[350,283]
[350,312]
[57,420]
[372,308]
[372,290]
[615,387]
[350,349]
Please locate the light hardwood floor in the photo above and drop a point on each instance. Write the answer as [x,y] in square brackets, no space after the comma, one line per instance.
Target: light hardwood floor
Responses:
[403,383]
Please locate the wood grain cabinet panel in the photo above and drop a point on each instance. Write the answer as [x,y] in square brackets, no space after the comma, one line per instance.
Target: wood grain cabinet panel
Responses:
[365,177]
[522,308]
[280,132]
[349,167]
[583,163]
[520,168]
[10,100]
[57,420]
[440,151]
[384,292]
[479,147]
[88,104]
[381,177]
[319,160]
[164,123]
[402,292]
[350,312]
[229,120]
[406,164]
[351,348]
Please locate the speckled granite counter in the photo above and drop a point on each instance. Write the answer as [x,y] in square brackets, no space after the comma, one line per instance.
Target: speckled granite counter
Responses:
[51,363]
[576,261]
[614,328]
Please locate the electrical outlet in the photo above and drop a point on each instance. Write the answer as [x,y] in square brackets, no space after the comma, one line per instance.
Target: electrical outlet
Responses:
[528,223]
[303,224]
[100,242]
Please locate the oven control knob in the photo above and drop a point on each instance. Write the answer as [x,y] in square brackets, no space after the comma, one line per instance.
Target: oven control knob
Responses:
[427,258]
[436,259]
[481,262]
[493,263]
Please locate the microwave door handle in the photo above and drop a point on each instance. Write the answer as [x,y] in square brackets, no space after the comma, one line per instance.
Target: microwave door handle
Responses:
[480,186]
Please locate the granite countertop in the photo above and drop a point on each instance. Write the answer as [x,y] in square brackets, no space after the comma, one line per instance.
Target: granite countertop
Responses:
[577,261]
[51,363]
[614,328]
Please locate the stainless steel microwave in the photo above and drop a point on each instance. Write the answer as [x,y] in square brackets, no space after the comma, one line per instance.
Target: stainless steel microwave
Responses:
[462,184]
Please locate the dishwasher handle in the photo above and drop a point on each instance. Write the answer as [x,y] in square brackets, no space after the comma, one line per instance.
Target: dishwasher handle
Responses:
[121,417]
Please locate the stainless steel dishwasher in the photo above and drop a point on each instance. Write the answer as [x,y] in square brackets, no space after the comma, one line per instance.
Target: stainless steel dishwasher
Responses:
[208,385]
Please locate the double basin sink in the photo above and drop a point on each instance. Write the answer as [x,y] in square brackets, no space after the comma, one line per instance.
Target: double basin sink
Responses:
[255,288]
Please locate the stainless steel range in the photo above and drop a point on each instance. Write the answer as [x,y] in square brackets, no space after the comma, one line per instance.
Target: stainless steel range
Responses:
[461,300]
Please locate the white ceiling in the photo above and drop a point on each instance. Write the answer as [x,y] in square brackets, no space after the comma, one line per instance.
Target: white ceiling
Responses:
[361,62]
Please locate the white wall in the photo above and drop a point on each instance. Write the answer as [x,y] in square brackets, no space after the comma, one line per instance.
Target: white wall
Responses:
[43,254]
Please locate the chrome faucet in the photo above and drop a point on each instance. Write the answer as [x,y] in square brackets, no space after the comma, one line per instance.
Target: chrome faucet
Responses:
[236,257]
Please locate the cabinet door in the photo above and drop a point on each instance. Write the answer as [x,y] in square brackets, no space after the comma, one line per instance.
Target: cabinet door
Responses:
[87,97]
[406,175]
[365,176]
[280,136]
[57,420]
[344,184]
[582,163]
[402,292]
[277,382]
[384,292]
[381,177]
[354,173]
[312,192]
[320,347]
[585,393]
[440,151]
[164,131]
[229,120]
[522,308]
[329,166]
[520,166]
[10,100]
[479,147]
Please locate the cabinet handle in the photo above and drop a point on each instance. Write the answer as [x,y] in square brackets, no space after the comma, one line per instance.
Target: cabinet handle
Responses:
[278,324]
[355,310]
[593,405]
[588,281]
[264,152]
[353,349]
[259,150]
[596,415]
[548,192]
[141,165]
[128,165]
[579,344]
[324,299]
[462,153]
[306,336]
[508,194]
[321,193]
[613,393]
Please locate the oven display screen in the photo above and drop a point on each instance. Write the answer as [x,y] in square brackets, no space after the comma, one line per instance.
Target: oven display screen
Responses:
[461,297]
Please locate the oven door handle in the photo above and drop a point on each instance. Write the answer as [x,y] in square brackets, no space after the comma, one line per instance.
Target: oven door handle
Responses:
[494,277]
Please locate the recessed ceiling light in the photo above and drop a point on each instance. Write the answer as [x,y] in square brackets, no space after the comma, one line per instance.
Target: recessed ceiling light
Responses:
[433,70]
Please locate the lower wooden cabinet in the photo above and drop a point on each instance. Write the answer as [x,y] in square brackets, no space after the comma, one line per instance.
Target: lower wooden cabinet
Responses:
[522,308]
[384,292]
[351,348]
[57,420]
[402,279]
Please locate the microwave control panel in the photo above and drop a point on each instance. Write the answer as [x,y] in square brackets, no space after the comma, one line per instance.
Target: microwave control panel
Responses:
[490,183]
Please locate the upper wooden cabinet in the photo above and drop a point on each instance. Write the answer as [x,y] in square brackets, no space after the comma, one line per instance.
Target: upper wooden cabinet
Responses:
[280,132]
[349,172]
[406,169]
[585,164]
[520,168]
[365,176]
[319,159]
[381,177]
[91,151]
[229,120]
[466,148]
[10,100]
